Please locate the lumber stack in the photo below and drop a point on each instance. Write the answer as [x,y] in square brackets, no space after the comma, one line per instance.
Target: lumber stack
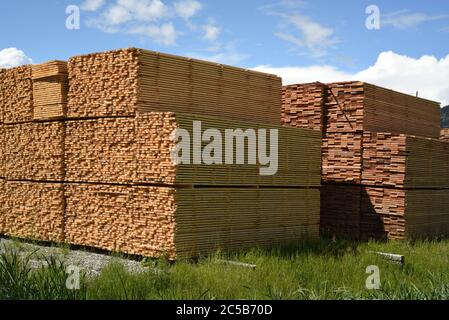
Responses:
[340,211]
[156,221]
[302,106]
[400,213]
[2,98]
[140,150]
[124,82]
[50,90]
[383,145]
[298,154]
[101,150]
[2,151]
[17,88]
[403,161]
[444,135]
[33,210]
[34,151]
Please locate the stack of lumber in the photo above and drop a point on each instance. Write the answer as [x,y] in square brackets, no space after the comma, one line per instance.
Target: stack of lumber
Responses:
[302,106]
[340,211]
[382,143]
[34,151]
[403,161]
[101,150]
[2,151]
[33,210]
[155,221]
[50,90]
[342,157]
[444,135]
[399,213]
[2,101]
[17,88]
[298,154]
[124,82]
[140,150]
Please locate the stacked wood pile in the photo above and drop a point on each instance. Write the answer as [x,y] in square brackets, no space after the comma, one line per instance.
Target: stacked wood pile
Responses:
[302,106]
[50,89]
[444,135]
[156,221]
[17,88]
[34,151]
[33,210]
[32,160]
[124,82]
[88,161]
[384,144]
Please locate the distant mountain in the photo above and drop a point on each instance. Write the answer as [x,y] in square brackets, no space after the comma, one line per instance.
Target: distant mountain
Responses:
[445,117]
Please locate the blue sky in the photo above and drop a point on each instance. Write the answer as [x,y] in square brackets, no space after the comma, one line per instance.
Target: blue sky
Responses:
[299,40]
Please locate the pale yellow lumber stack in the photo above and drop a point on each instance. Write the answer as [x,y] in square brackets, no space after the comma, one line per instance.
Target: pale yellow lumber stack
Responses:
[17,87]
[34,151]
[50,89]
[33,210]
[124,82]
[155,221]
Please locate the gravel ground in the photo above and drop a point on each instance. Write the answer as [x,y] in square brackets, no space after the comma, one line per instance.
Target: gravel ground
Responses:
[91,263]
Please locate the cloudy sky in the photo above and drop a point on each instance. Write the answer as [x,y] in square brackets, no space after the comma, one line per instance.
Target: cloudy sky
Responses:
[300,40]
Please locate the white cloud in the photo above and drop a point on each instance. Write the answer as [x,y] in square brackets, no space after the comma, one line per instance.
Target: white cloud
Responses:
[13,57]
[427,74]
[152,18]
[404,19]
[211,32]
[187,8]
[312,35]
[164,34]
[92,5]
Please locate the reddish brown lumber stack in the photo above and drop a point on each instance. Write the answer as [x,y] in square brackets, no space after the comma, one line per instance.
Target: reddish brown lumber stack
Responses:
[340,211]
[444,135]
[50,89]
[302,106]
[17,90]
[394,170]
[342,157]
[33,210]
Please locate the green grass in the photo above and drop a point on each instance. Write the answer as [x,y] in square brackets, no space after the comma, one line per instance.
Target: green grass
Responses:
[323,269]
